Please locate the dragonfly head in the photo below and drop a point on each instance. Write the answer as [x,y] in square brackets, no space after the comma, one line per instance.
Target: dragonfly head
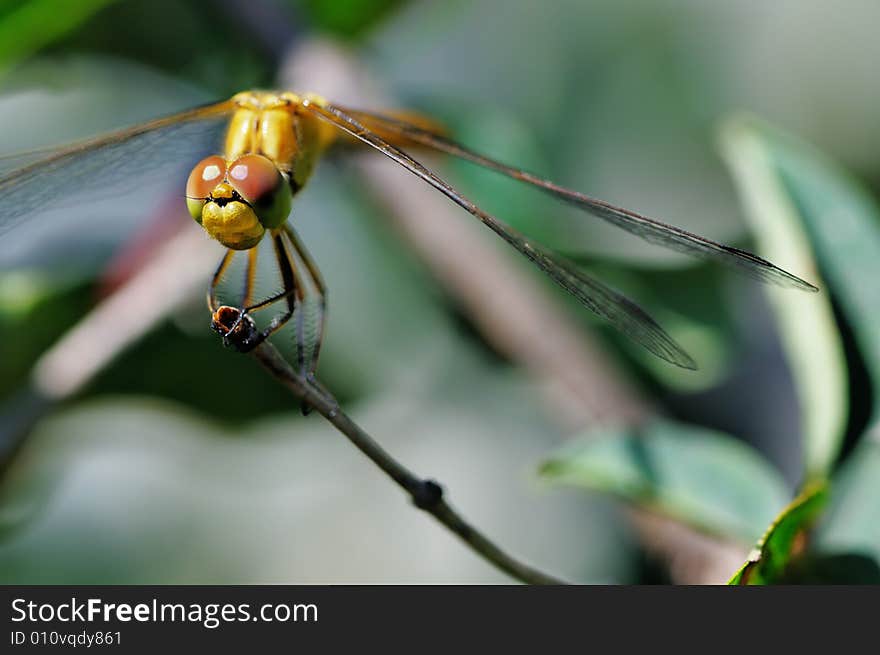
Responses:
[237,201]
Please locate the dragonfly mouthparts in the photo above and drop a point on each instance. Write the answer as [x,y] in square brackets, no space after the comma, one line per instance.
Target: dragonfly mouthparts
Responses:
[222,200]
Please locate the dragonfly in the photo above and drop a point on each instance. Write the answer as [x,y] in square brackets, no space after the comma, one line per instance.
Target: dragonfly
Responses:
[245,195]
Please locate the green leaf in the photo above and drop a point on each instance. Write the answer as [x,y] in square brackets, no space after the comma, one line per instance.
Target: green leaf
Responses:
[36,308]
[785,540]
[703,478]
[843,568]
[853,522]
[349,18]
[843,222]
[806,321]
[37,23]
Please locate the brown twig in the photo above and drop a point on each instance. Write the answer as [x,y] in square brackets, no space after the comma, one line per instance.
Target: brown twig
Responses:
[426,494]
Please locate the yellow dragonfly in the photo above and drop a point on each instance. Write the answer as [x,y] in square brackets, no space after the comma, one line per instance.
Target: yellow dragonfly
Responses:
[273,141]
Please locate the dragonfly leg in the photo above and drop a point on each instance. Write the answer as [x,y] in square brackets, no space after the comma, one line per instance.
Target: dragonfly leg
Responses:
[249,275]
[218,275]
[292,293]
[236,325]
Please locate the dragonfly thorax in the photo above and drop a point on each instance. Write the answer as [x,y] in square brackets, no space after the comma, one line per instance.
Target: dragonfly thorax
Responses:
[274,125]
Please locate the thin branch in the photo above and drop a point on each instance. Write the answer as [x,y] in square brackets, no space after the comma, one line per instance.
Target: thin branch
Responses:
[426,494]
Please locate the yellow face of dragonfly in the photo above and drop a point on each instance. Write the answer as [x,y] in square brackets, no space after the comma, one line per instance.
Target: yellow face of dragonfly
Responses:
[237,201]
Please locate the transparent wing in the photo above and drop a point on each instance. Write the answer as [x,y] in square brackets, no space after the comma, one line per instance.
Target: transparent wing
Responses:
[309,316]
[47,178]
[649,229]
[15,160]
[607,303]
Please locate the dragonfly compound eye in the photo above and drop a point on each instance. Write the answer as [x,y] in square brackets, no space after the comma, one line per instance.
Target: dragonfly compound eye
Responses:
[259,182]
[206,175]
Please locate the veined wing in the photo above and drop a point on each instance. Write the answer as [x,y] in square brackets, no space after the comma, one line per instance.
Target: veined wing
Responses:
[604,301]
[16,160]
[95,165]
[649,229]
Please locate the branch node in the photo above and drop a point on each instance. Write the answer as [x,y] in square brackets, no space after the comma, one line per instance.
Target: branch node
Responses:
[426,494]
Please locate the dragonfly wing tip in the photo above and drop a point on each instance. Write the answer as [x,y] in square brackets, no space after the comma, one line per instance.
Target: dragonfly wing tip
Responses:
[685,361]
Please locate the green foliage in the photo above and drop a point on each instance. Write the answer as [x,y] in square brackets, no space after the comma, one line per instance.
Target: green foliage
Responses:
[841,222]
[27,26]
[785,540]
[853,521]
[806,322]
[348,18]
[703,478]
[36,309]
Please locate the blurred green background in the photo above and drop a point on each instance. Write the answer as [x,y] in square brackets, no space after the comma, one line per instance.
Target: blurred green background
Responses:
[183,462]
